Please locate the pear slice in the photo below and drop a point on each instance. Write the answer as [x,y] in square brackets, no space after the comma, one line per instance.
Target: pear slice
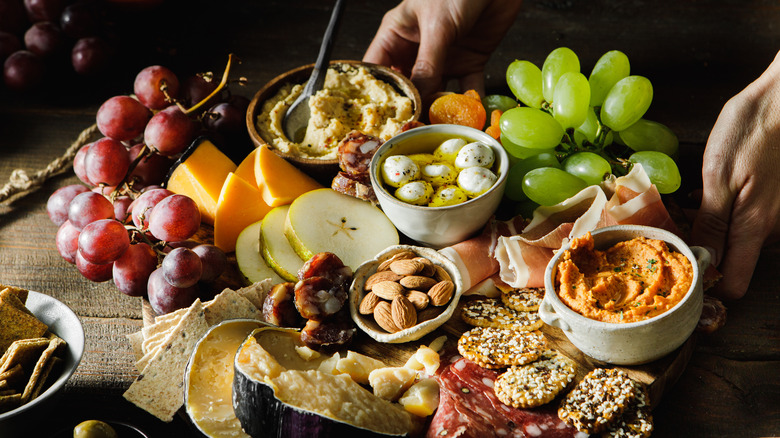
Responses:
[324,220]
[249,256]
[277,251]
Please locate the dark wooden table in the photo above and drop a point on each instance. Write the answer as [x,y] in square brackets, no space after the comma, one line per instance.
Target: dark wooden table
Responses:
[696,53]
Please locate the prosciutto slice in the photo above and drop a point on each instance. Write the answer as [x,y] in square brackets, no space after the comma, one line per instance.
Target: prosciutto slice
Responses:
[519,254]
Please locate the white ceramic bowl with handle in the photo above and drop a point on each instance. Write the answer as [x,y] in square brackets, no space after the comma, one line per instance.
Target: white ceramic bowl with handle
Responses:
[631,343]
[438,227]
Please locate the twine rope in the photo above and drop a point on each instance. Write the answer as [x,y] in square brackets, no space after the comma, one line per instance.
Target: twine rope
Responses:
[21,182]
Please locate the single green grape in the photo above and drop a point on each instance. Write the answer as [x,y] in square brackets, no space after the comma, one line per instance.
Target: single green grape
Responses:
[550,186]
[571,99]
[626,102]
[589,127]
[609,69]
[589,166]
[497,102]
[660,168]
[531,128]
[525,80]
[514,178]
[646,135]
[558,62]
[515,150]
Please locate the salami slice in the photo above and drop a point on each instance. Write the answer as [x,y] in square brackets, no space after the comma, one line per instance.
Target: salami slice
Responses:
[470,405]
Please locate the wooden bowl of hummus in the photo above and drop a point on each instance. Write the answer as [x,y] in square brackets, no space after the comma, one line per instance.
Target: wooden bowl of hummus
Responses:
[371,98]
[625,294]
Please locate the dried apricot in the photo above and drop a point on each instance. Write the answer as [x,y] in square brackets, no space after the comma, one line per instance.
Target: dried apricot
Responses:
[494,129]
[459,109]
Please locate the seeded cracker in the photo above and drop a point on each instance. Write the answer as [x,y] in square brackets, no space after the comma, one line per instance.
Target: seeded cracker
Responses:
[535,384]
[637,419]
[159,389]
[42,368]
[491,347]
[598,401]
[492,313]
[524,299]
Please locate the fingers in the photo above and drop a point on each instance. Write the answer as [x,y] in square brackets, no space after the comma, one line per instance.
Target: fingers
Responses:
[474,81]
[427,70]
[737,267]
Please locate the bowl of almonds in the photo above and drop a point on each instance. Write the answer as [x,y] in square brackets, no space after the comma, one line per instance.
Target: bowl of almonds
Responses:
[404,293]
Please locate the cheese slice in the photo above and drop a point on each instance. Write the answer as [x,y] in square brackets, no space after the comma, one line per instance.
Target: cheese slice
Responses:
[239,205]
[280,181]
[201,177]
[246,169]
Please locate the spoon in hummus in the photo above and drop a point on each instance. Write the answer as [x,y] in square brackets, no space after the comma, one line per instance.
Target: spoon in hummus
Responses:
[297,117]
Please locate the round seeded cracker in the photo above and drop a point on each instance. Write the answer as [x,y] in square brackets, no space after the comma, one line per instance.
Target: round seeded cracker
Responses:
[535,384]
[598,400]
[524,299]
[491,312]
[492,347]
[637,419]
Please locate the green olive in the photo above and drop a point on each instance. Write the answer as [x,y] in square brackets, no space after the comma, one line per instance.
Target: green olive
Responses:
[94,429]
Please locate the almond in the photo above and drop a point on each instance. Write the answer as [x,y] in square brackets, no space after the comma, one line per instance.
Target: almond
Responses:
[428,269]
[384,317]
[429,312]
[403,312]
[406,267]
[380,276]
[368,303]
[441,292]
[418,299]
[406,254]
[388,290]
[441,274]
[417,282]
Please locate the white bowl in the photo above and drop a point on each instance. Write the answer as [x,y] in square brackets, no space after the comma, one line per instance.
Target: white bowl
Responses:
[65,324]
[438,227]
[636,342]
[367,323]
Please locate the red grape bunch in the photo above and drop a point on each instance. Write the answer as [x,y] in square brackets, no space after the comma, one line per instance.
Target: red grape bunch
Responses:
[121,224]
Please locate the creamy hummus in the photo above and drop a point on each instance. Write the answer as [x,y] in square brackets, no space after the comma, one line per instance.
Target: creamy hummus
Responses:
[631,281]
[351,98]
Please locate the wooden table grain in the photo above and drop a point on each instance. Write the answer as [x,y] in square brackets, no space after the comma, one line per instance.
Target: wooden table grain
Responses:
[697,54]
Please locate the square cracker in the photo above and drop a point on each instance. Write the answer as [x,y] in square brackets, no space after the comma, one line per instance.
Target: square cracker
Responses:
[7,296]
[43,382]
[42,367]
[228,304]
[18,291]
[136,340]
[159,389]
[16,323]
[9,402]
[10,377]
[22,351]
[256,292]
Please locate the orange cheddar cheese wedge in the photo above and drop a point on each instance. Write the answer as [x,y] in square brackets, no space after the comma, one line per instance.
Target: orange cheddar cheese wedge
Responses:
[201,176]
[246,170]
[240,204]
[279,181]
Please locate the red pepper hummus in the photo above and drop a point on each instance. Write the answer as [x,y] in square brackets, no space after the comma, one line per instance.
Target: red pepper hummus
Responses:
[632,281]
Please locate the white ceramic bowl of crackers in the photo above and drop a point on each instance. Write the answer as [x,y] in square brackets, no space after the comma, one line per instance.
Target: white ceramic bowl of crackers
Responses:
[639,341]
[41,351]
[441,226]
[411,291]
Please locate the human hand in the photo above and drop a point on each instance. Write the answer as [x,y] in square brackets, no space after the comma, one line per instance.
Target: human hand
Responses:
[740,202]
[431,41]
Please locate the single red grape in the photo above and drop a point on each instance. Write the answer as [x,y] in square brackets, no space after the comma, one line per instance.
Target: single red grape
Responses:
[88,207]
[91,56]
[174,218]
[122,208]
[106,162]
[103,241]
[142,206]
[213,259]
[82,19]
[196,88]
[23,70]
[149,83]
[131,271]
[151,170]
[44,10]
[182,267]
[67,241]
[122,118]
[170,131]
[78,164]
[93,272]
[58,203]
[44,39]
[165,298]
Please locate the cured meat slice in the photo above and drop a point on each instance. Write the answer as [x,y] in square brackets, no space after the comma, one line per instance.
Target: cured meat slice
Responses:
[469,407]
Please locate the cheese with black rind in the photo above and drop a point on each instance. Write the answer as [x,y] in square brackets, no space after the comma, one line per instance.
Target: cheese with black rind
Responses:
[273,388]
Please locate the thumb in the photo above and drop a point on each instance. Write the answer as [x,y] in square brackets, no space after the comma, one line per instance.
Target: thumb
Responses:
[711,225]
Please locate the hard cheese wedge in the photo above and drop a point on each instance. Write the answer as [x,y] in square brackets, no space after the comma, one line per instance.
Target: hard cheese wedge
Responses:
[201,177]
[239,205]
[246,169]
[280,181]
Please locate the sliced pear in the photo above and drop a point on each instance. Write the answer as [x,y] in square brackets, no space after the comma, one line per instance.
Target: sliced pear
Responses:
[324,220]
[277,251]
[249,256]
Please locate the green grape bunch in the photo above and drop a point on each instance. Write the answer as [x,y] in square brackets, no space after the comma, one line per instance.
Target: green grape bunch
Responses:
[570,131]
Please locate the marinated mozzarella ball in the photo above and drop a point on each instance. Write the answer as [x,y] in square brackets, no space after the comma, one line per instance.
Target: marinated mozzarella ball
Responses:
[422,159]
[398,170]
[439,173]
[416,192]
[474,154]
[476,180]
[448,150]
[449,194]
